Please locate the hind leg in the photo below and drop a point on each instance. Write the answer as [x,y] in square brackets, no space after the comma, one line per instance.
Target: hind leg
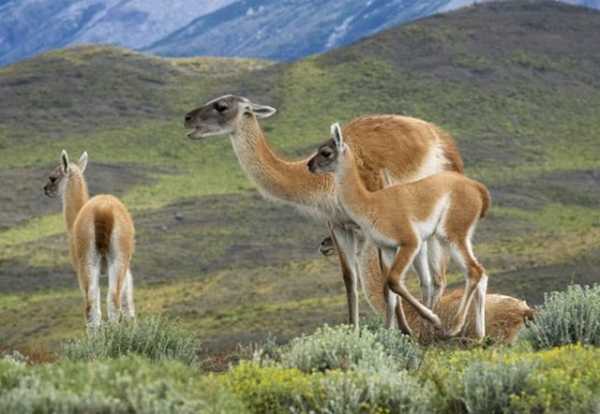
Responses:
[117,272]
[438,264]
[421,265]
[127,297]
[89,275]
[474,273]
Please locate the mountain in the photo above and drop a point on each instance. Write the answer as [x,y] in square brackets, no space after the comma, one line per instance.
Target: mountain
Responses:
[28,27]
[274,29]
[516,83]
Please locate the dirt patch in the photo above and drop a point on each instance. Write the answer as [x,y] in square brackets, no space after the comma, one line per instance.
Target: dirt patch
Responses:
[21,188]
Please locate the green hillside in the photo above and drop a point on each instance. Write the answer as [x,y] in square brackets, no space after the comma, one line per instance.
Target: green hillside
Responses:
[517,84]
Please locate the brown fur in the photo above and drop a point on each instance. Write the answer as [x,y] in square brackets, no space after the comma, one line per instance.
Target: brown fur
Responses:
[396,144]
[391,218]
[91,225]
[505,317]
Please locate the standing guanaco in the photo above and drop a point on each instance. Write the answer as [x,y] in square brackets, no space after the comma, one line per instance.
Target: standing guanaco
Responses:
[101,240]
[401,218]
[390,148]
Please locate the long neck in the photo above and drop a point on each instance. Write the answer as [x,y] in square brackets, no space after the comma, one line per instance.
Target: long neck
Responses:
[74,197]
[352,193]
[289,181]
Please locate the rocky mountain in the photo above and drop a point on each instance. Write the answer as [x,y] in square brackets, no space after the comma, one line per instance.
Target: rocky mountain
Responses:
[274,29]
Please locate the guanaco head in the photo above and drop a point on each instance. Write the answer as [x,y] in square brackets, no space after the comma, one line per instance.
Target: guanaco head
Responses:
[327,156]
[56,180]
[327,247]
[223,116]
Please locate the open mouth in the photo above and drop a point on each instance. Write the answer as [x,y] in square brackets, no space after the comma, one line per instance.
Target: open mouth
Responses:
[195,133]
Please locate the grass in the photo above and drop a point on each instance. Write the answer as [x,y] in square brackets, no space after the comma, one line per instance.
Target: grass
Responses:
[526,123]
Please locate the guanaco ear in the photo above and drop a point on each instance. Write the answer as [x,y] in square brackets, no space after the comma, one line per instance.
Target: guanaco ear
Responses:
[338,138]
[64,159]
[262,111]
[83,160]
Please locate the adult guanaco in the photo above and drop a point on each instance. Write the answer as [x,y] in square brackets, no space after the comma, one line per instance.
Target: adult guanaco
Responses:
[390,148]
[101,240]
[401,218]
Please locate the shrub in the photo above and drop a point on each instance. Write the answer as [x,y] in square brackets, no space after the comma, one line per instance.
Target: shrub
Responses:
[402,348]
[362,392]
[568,317]
[489,388]
[127,385]
[283,390]
[567,380]
[153,338]
[342,348]
[270,389]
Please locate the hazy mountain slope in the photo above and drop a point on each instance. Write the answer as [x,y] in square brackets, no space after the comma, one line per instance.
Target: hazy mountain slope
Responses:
[289,29]
[516,83]
[31,26]
[256,28]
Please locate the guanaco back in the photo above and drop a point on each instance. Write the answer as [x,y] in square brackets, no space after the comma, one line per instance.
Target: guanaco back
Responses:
[100,233]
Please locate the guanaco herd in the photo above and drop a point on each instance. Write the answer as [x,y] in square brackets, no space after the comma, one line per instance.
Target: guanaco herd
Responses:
[390,188]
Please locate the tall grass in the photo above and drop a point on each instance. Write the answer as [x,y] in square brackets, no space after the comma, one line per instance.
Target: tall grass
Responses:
[153,338]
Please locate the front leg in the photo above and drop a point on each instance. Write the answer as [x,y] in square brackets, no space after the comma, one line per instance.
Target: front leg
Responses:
[344,245]
[397,274]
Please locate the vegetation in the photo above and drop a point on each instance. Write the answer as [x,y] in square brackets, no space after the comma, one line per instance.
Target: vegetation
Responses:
[233,267]
[151,338]
[568,317]
[334,370]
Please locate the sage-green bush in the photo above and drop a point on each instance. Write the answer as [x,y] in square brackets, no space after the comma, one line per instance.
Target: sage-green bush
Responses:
[372,392]
[488,388]
[337,347]
[341,347]
[567,317]
[126,385]
[153,338]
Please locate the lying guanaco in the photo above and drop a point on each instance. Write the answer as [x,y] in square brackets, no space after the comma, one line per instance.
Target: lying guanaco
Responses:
[505,315]
[400,218]
[101,240]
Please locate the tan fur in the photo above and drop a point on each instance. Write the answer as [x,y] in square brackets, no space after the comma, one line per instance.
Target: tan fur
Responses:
[100,228]
[390,145]
[445,206]
[505,316]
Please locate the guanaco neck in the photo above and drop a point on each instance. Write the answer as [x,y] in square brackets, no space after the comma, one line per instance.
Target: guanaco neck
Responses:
[352,194]
[74,197]
[288,181]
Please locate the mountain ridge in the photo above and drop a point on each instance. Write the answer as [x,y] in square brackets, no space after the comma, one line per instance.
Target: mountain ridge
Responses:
[245,28]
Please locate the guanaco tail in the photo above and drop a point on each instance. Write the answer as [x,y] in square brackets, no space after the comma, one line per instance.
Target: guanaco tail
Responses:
[101,240]
[401,218]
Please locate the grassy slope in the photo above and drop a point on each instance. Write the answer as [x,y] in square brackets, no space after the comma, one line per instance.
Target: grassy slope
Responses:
[517,84]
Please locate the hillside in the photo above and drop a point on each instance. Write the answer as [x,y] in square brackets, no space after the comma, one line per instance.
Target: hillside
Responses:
[516,83]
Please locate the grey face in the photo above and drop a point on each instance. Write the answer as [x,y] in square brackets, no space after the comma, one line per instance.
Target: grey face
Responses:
[327,248]
[325,160]
[216,117]
[52,187]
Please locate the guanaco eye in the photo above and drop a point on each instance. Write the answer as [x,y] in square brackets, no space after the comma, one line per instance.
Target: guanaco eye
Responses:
[52,179]
[327,153]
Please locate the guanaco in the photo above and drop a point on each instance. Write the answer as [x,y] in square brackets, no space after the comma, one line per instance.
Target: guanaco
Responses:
[390,149]
[101,240]
[505,315]
[401,218]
